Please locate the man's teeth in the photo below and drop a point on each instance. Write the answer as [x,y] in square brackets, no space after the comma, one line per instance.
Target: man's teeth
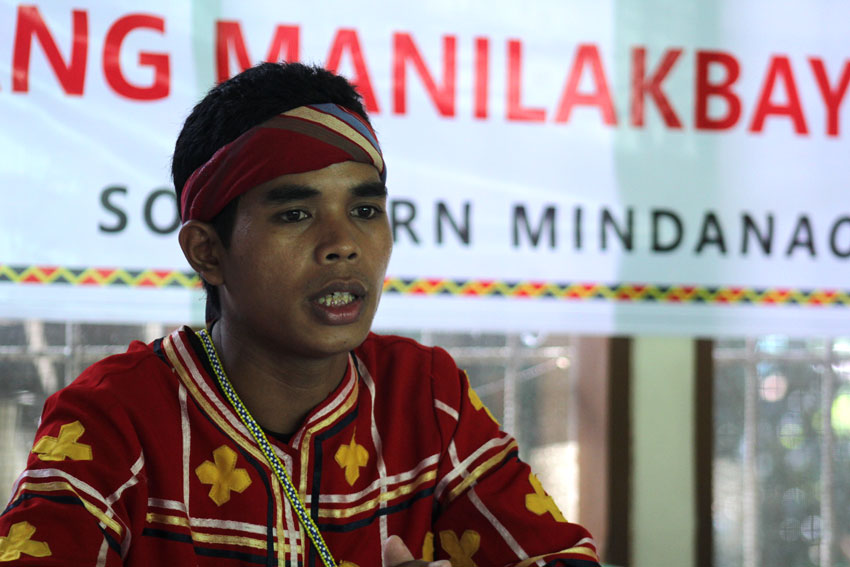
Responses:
[337,299]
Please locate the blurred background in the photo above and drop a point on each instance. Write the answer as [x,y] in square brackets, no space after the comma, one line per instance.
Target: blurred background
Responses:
[628,221]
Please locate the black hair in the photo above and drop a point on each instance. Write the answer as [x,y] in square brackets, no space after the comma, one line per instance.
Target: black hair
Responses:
[236,105]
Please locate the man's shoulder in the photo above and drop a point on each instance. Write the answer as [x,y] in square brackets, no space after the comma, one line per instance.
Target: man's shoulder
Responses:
[396,342]
[393,352]
[123,374]
[377,345]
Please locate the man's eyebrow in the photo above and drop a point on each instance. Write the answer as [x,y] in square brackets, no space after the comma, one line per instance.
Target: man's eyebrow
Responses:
[283,194]
[370,189]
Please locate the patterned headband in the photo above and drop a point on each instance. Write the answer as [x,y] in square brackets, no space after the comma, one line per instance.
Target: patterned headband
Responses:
[299,140]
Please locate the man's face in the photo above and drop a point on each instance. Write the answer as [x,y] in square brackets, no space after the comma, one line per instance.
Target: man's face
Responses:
[306,263]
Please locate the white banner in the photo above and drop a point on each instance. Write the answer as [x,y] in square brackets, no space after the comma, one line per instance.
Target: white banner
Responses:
[596,167]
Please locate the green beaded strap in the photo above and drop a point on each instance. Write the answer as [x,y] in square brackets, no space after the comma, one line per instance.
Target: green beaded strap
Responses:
[264,445]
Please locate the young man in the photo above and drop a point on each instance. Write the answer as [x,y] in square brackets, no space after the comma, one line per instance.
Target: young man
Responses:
[284,433]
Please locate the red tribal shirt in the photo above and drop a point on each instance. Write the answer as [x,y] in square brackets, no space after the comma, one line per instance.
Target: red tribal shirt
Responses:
[142,461]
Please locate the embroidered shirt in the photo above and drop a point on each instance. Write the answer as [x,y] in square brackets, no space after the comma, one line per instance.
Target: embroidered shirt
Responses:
[141,461]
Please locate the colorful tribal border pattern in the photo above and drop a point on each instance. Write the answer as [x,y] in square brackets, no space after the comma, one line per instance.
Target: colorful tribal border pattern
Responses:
[618,292]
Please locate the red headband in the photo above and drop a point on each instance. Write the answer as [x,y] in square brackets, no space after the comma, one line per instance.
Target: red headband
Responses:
[302,139]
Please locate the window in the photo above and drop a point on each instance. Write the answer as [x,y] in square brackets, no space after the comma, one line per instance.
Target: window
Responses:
[781,423]
[781,452]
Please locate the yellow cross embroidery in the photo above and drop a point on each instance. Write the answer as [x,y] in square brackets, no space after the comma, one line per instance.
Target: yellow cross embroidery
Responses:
[460,551]
[348,564]
[428,547]
[539,502]
[65,446]
[478,404]
[223,475]
[351,457]
[18,542]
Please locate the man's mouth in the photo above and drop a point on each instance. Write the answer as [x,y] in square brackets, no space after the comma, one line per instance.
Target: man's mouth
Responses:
[340,303]
[337,299]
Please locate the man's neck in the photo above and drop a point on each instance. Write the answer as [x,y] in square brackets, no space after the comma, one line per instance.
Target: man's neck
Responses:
[277,388]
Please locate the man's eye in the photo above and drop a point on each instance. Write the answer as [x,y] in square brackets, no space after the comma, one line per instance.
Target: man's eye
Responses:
[365,211]
[293,216]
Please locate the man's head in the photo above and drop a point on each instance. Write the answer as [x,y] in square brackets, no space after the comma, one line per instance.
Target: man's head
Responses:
[303,273]
[239,104]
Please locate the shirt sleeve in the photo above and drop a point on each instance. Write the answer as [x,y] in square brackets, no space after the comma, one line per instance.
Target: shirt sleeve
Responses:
[493,510]
[83,489]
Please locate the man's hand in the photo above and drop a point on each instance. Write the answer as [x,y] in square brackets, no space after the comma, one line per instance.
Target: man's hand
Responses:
[396,554]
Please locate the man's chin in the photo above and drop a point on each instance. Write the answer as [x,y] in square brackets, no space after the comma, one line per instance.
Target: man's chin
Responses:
[339,340]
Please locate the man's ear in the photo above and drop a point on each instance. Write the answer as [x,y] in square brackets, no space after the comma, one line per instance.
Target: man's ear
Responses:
[203,250]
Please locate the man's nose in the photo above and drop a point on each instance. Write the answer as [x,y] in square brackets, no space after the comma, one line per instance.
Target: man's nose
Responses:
[338,243]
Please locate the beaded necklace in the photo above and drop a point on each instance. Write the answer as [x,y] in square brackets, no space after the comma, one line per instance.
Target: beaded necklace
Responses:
[264,445]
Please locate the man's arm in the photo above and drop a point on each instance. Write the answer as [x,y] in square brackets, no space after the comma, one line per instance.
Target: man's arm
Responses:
[493,510]
[75,503]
